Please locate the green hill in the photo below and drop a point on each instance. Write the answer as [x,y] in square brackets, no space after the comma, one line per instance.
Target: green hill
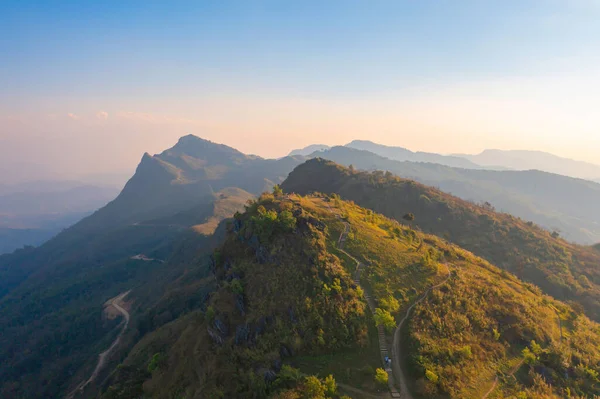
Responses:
[563,270]
[281,294]
[286,301]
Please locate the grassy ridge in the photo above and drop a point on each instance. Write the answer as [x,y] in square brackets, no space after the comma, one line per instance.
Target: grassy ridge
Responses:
[566,271]
[477,324]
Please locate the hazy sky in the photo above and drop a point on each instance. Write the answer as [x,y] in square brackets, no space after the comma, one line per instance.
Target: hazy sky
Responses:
[87,87]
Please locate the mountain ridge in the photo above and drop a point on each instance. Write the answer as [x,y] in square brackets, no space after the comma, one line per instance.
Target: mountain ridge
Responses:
[402,154]
[511,191]
[564,270]
[531,159]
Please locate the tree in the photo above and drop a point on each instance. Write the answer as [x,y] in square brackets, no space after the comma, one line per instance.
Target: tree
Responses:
[385,319]
[536,348]
[489,207]
[431,376]
[287,220]
[277,191]
[529,357]
[289,394]
[237,287]
[390,303]
[330,385]
[313,388]
[288,377]
[381,377]
[156,362]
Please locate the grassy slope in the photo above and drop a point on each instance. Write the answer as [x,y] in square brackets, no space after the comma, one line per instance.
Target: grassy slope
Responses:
[563,270]
[451,335]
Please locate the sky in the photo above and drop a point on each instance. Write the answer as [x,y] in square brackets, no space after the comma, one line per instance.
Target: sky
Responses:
[87,87]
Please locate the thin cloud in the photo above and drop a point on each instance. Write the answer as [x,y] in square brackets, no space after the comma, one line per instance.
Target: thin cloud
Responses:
[72,116]
[102,115]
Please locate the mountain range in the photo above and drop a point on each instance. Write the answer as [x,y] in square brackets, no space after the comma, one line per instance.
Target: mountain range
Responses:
[230,292]
[518,160]
[559,203]
[526,160]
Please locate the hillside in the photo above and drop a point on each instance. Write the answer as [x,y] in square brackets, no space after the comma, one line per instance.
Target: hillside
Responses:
[54,332]
[403,155]
[61,324]
[256,319]
[556,202]
[563,270]
[179,177]
[526,160]
[259,334]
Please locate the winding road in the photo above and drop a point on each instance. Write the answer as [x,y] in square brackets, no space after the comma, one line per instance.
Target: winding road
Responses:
[104,356]
[399,374]
[396,371]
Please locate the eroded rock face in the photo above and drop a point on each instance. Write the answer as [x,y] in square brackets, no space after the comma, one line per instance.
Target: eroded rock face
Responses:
[292,315]
[241,334]
[261,326]
[239,304]
[227,265]
[285,351]
[262,255]
[237,225]
[270,376]
[214,336]
[253,242]
[319,225]
[221,327]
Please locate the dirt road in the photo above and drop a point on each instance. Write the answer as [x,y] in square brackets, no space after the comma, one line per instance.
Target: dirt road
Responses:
[104,356]
[399,374]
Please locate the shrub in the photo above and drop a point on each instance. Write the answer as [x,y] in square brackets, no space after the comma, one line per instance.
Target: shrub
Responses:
[390,304]
[431,376]
[236,287]
[385,319]
[155,362]
[381,377]
[313,388]
[330,385]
